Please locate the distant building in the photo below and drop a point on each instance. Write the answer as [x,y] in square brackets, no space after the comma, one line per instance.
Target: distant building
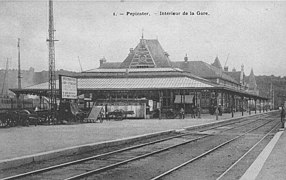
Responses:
[217,63]
[252,86]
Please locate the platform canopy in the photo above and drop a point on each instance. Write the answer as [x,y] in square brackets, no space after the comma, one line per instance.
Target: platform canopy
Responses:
[135,83]
[128,84]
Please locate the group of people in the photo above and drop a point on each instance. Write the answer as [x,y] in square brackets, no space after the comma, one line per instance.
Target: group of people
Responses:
[194,111]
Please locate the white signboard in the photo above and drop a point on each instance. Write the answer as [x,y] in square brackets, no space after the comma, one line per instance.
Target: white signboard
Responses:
[69,87]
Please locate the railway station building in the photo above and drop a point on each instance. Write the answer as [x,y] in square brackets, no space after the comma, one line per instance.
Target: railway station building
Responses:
[150,84]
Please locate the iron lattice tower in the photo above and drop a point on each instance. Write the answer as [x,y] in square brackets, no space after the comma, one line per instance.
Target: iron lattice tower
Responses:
[52,67]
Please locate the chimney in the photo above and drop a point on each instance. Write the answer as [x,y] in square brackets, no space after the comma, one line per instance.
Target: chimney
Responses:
[126,72]
[166,54]
[241,75]
[225,68]
[233,70]
[186,58]
[131,50]
[102,61]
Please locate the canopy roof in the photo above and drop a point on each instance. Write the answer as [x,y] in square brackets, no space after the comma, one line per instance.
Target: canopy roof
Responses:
[131,84]
[133,70]
[135,83]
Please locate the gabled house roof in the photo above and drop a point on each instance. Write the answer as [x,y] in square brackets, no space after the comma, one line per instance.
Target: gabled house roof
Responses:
[204,70]
[148,53]
[110,65]
[234,74]
[217,63]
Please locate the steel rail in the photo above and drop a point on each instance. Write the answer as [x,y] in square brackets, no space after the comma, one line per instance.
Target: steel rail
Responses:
[205,153]
[89,158]
[246,153]
[256,117]
[138,157]
[38,171]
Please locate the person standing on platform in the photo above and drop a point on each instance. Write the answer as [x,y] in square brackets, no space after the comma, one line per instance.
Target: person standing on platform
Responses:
[283,116]
[219,110]
[182,113]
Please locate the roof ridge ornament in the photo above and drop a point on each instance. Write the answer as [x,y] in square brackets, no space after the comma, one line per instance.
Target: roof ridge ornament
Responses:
[186,58]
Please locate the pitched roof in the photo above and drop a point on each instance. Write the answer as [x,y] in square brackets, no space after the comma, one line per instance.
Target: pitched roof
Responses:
[110,65]
[131,83]
[217,63]
[204,70]
[121,70]
[234,74]
[142,83]
[148,53]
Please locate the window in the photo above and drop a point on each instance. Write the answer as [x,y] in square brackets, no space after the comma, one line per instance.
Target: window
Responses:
[205,101]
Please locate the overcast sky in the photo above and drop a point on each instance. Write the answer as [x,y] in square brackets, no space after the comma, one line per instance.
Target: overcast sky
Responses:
[252,33]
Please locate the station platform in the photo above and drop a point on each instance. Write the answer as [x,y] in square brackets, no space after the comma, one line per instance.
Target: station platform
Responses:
[20,142]
[271,163]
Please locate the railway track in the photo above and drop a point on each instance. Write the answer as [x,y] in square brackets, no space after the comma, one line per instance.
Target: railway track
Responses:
[103,163]
[220,147]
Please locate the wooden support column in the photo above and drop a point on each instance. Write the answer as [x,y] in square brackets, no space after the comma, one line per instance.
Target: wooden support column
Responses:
[242,105]
[184,98]
[199,105]
[172,99]
[260,105]
[221,100]
[255,105]
[263,105]
[232,106]
[144,113]
[216,110]
[249,109]
[160,101]
[228,102]
[196,98]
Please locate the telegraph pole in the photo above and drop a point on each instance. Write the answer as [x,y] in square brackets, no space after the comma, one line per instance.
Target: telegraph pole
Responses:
[271,95]
[52,73]
[19,66]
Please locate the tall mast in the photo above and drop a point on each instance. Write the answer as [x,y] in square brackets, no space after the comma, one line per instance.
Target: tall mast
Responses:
[19,66]
[52,75]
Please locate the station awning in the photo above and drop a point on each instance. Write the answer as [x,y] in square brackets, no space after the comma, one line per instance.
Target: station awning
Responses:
[134,83]
[131,84]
